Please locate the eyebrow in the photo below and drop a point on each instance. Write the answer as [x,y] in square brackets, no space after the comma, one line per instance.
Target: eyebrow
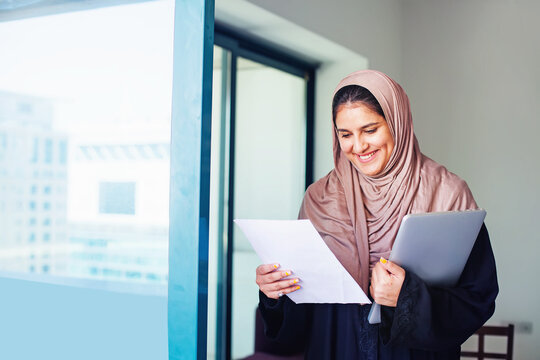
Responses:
[363,127]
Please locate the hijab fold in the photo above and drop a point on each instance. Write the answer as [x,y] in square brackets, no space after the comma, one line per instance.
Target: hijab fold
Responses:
[358,216]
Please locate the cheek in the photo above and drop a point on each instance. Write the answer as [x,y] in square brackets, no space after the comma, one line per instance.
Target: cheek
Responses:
[386,141]
[346,146]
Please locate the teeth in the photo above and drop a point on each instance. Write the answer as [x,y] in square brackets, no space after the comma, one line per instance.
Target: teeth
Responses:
[365,157]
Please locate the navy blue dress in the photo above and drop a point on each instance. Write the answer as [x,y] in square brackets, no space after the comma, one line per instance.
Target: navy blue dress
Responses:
[427,323]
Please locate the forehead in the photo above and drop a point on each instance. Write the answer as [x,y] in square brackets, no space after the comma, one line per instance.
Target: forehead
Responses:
[356,114]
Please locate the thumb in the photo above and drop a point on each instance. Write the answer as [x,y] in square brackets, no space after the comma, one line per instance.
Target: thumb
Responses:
[391,267]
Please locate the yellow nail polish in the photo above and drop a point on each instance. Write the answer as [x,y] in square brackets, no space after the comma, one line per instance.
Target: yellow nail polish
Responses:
[276,266]
[287,273]
[383,260]
[295,281]
[298,287]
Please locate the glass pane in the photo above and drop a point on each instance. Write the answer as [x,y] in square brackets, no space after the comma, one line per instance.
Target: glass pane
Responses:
[85,107]
[269,174]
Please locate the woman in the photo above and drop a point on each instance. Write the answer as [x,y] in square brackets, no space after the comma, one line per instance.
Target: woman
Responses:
[380,176]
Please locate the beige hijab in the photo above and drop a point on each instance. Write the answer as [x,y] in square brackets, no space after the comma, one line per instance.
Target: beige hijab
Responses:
[358,216]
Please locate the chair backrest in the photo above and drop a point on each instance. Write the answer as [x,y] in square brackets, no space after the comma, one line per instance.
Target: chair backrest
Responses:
[507,331]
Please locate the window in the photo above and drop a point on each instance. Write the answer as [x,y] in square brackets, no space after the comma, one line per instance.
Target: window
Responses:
[25,108]
[48,151]
[3,145]
[82,80]
[62,152]
[117,198]
[35,152]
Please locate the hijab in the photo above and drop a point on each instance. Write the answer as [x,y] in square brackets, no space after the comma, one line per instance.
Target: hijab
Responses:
[358,216]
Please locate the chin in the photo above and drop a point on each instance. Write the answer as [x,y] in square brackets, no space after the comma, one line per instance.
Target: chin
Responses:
[370,171]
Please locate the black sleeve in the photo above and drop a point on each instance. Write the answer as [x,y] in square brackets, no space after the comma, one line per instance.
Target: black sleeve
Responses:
[285,323]
[434,318]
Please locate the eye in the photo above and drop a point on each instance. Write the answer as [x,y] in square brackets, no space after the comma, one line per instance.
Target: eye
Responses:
[370,131]
[344,136]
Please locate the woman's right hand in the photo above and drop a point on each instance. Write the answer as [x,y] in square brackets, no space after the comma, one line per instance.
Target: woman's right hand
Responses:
[270,282]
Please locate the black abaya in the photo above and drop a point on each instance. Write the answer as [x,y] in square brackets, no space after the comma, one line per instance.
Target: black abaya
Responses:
[427,323]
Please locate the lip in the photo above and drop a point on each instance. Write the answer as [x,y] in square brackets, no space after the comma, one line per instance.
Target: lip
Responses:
[370,156]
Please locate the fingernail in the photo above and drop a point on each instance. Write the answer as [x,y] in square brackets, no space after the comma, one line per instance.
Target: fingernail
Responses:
[298,287]
[295,281]
[287,273]
[276,266]
[383,260]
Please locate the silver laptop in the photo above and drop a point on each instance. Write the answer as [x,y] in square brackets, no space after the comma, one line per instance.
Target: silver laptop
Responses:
[435,246]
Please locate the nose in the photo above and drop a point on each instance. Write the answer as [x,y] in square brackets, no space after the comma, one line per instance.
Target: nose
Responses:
[360,145]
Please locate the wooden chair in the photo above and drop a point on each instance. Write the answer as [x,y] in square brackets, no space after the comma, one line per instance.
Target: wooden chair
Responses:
[507,331]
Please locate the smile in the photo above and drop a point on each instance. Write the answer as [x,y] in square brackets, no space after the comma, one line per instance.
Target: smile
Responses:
[367,157]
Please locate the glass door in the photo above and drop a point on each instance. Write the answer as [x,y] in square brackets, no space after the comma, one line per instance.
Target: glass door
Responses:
[262,130]
[269,175]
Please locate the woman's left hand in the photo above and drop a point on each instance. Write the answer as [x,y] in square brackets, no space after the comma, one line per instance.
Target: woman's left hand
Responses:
[386,281]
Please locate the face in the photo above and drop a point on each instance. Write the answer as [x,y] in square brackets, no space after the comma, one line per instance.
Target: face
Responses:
[364,138]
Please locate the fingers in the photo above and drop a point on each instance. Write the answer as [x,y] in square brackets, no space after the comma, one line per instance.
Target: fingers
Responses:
[280,285]
[266,268]
[392,267]
[386,281]
[280,288]
[379,274]
[287,290]
[271,277]
[271,282]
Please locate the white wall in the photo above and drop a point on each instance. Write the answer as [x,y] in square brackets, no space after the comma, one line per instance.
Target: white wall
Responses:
[471,71]
[369,28]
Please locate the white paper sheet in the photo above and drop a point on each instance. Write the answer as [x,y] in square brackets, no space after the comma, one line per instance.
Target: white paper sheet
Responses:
[296,245]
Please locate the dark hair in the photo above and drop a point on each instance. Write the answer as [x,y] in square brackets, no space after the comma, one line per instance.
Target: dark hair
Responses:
[351,94]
